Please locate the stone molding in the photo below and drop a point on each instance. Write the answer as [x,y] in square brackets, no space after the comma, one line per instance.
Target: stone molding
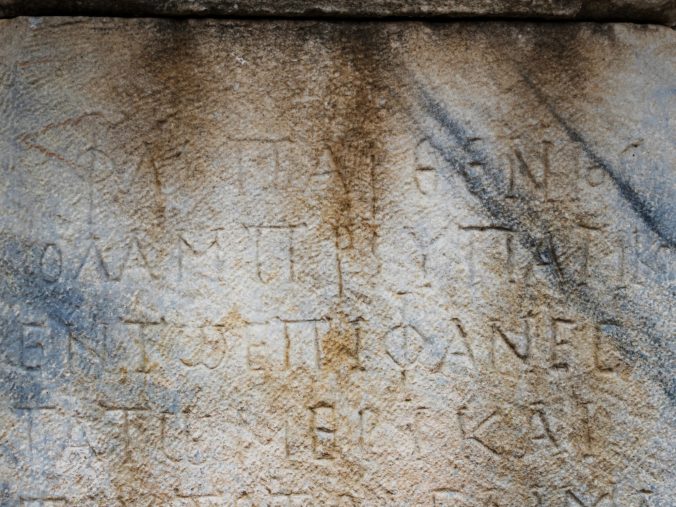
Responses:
[642,11]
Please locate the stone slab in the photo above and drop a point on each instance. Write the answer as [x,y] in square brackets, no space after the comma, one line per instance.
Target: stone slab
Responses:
[655,11]
[308,263]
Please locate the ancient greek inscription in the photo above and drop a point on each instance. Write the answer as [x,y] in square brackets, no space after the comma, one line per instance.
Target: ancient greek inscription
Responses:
[297,263]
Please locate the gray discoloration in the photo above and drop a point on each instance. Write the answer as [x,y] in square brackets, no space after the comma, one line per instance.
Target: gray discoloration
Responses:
[538,235]
[649,212]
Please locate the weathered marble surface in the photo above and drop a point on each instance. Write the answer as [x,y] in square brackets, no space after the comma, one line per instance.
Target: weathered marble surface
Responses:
[305,263]
[655,11]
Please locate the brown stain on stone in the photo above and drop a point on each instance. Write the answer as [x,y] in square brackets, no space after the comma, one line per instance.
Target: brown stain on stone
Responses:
[171,99]
[353,127]
[171,67]
[340,346]
[163,116]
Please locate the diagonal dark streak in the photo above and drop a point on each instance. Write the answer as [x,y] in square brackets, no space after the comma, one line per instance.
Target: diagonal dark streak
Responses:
[534,231]
[460,161]
[641,206]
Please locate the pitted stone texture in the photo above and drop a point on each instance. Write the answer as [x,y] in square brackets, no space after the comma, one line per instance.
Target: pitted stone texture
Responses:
[656,11]
[304,263]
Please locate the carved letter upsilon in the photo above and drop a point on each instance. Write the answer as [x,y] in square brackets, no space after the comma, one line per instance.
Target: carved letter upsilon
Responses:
[274,252]
[201,346]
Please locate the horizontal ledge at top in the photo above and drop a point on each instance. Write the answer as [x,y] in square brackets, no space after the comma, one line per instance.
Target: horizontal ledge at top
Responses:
[652,11]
